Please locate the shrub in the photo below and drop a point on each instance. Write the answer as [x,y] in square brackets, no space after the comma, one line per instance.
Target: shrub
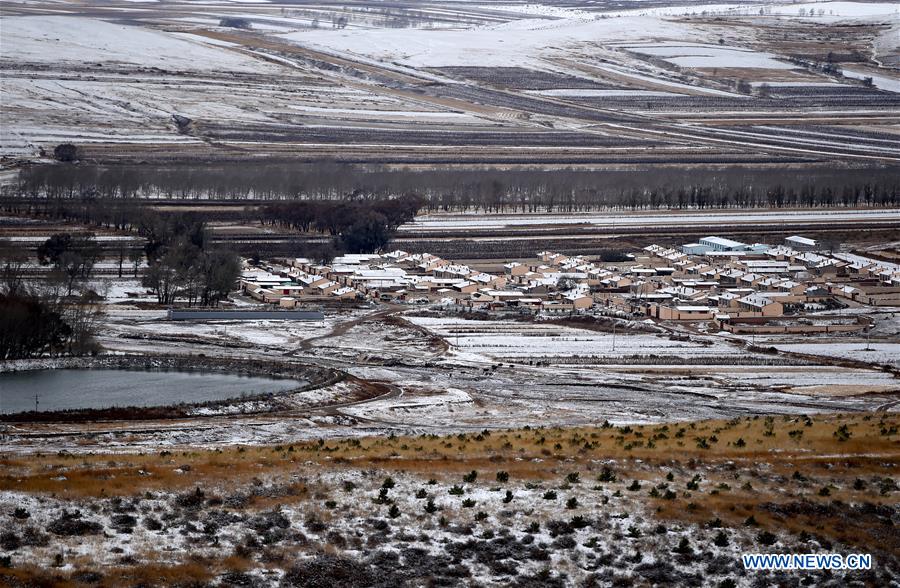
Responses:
[503,477]
[684,547]
[191,499]
[234,22]
[388,483]
[572,503]
[394,511]
[635,486]
[65,152]
[549,495]
[430,507]
[579,522]
[382,497]
[564,542]
[842,433]
[767,538]
[468,503]
[573,478]
[332,570]
[508,498]
[70,524]
[606,475]
[123,523]
[721,539]
[152,523]
[9,541]
[456,490]
[470,477]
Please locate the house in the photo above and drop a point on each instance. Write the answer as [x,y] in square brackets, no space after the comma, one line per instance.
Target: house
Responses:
[681,312]
[801,243]
[465,287]
[722,244]
[766,266]
[345,293]
[327,288]
[515,269]
[552,258]
[530,303]
[453,271]
[578,300]
[487,280]
[763,305]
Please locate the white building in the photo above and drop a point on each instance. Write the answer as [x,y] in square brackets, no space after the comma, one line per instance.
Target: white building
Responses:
[722,244]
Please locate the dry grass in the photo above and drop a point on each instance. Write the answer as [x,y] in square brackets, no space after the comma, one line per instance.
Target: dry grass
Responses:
[186,574]
[536,453]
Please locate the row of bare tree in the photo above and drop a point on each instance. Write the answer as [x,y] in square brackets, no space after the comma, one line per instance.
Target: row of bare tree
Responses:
[451,188]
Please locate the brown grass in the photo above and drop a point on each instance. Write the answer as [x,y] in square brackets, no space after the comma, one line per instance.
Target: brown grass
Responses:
[149,575]
[525,453]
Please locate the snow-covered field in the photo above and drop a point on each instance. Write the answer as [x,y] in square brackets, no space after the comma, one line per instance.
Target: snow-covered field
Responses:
[112,78]
[125,326]
[516,341]
[85,40]
[103,82]
[878,353]
[696,55]
[519,43]
[496,221]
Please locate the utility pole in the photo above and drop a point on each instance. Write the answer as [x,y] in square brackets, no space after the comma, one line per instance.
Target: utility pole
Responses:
[36,402]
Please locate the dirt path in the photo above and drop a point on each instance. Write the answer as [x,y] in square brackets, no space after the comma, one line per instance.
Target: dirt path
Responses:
[342,328]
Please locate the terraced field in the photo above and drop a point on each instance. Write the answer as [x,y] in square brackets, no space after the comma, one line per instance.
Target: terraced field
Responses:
[608,84]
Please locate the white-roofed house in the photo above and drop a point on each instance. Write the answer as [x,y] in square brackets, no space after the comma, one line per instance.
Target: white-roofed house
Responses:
[763,305]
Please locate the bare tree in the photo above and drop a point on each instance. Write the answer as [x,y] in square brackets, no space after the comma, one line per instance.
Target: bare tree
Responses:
[13,258]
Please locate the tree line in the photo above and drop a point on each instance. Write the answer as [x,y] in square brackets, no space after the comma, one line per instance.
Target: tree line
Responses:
[356,226]
[463,189]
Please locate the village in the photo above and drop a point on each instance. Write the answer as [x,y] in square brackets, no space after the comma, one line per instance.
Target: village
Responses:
[738,287]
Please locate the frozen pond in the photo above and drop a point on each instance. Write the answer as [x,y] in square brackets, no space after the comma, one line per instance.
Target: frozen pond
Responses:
[103,388]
